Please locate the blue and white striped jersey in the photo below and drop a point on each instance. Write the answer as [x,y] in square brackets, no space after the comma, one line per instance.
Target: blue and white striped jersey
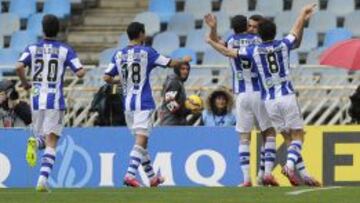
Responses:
[272,59]
[134,65]
[48,60]
[245,77]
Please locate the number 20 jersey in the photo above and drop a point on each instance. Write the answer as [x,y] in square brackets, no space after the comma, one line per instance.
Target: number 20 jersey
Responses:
[48,60]
[134,65]
[272,60]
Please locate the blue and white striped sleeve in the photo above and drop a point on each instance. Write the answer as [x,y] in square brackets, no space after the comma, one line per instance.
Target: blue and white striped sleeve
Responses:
[112,68]
[25,57]
[157,59]
[73,61]
[290,40]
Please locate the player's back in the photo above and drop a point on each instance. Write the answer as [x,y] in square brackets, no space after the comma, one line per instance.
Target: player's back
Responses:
[273,62]
[245,77]
[48,60]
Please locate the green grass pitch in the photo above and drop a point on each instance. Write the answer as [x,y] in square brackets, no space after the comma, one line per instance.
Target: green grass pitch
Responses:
[182,195]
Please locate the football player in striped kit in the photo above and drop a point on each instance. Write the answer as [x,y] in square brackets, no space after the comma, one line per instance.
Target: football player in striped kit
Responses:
[250,109]
[48,60]
[271,59]
[134,64]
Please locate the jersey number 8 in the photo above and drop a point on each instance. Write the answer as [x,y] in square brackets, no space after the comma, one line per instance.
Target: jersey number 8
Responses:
[135,70]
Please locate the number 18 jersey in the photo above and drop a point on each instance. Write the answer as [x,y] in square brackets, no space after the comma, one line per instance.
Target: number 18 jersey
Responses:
[134,65]
[48,60]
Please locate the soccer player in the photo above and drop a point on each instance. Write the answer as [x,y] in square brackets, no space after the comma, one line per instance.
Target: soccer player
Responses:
[134,64]
[47,60]
[271,58]
[249,106]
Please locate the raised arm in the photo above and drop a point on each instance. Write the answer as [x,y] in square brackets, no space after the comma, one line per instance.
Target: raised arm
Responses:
[298,27]
[222,49]
[176,62]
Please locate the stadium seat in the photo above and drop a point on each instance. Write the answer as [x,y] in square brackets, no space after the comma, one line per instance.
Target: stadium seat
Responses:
[223,23]
[286,19]
[212,57]
[340,8]
[22,8]
[59,8]
[123,40]
[34,24]
[313,56]
[8,57]
[336,35]
[323,21]
[309,41]
[1,42]
[198,8]
[297,5]
[181,23]
[234,7]
[9,23]
[106,55]
[352,22]
[196,40]
[165,9]
[151,21]
[166,42]
[21,39]
[269,8]
[181,52]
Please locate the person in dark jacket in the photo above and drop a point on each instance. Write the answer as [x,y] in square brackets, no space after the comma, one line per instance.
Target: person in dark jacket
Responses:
[172,110]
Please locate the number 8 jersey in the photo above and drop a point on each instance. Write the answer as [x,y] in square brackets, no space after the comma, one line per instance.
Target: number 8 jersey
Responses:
[134,65]
[48,60]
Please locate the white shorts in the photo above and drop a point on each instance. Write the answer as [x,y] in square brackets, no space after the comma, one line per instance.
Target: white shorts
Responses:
[139,122]
[285,113]
[47,121]
[250,110]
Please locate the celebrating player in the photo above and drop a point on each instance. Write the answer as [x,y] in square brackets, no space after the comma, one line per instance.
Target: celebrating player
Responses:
[249,106]
[271,58]
[48,60]
[133,64]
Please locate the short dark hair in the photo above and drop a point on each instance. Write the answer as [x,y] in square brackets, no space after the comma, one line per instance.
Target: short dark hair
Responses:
[267,30]
[257,18]
[239,24]
[50,25]
[134,30]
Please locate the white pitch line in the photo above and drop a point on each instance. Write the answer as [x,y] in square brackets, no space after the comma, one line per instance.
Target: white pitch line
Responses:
[299,192]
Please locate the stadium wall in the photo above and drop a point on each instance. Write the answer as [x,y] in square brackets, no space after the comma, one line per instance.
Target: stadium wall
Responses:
[186,156]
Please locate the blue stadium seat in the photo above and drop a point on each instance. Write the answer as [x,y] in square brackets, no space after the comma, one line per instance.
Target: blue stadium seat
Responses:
[106,55]
[297,5]
[181,23]
[61,8]
[235,7]
[196,40]
[1,42]
[181,52]
[34,24]
[23,8]
[8,57]
[166,42]
[9,23]
[198,8]
[165,9]
[223,23]
[123,40]
[151,21]
[269,8]
[212,57]
[323,21]
[341,7]
[309,41]
[21,39]
[352,22]
[336,35]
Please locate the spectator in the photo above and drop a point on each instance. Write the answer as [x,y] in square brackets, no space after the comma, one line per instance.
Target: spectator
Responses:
[354,110]
[219,109]
[13,112]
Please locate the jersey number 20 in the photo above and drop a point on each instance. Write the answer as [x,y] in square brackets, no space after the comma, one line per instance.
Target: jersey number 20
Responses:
[52,70]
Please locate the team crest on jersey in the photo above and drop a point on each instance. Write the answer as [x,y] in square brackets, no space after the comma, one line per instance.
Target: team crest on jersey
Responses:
[35,91]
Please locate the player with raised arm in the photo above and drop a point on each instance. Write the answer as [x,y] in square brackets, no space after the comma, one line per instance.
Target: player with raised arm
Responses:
[47,60]
[250,109]
[134,64]
[271,58]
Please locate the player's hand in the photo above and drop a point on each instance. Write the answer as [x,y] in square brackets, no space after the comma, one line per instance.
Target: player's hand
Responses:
[308,10]
[26,86]
[187,59]
[210,20]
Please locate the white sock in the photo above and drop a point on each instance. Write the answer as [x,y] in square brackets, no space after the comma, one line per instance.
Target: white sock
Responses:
[300,166]
[262,162]
[47,163]
[244,155]
[136,156]
[293,154]
[270,154]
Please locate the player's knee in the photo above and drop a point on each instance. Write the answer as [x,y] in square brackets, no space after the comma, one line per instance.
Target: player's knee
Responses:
[141,140]
[245,138]
[270,132]
[297,134]
[51,140]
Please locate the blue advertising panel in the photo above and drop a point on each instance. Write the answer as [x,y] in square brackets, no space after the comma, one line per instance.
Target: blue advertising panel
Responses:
[98,157]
